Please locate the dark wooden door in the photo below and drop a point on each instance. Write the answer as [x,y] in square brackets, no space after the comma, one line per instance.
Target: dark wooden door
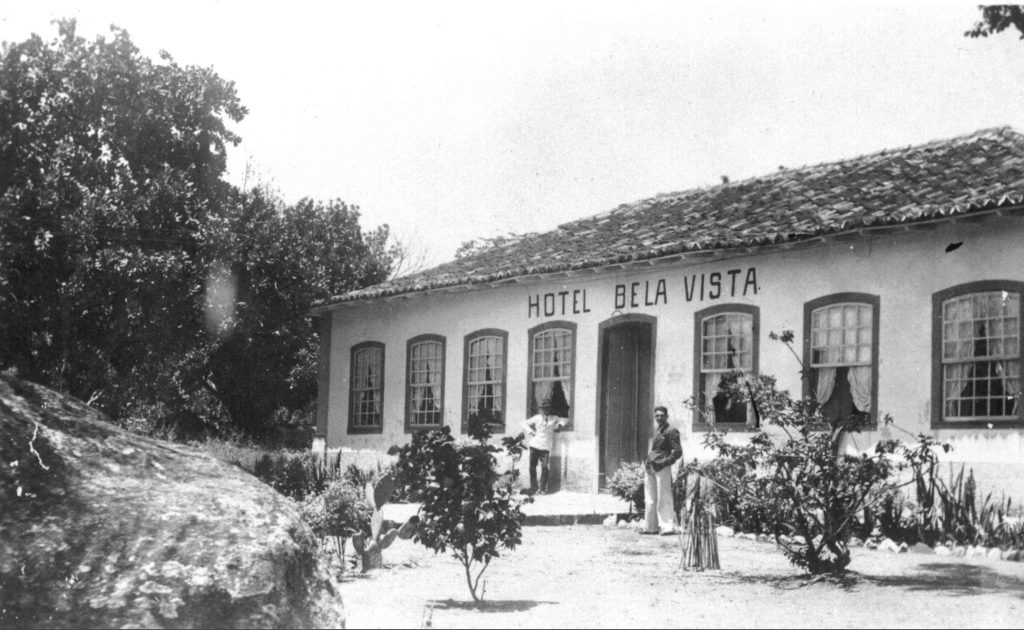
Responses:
[625,396]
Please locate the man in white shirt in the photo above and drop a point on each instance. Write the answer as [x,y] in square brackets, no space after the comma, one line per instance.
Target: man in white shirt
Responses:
[540,437]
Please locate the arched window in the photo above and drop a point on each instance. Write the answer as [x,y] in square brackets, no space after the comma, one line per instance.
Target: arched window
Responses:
[366,388]
[424,399]
[841,354]
[726,342]
[485,363]
[552,368]
[976,340]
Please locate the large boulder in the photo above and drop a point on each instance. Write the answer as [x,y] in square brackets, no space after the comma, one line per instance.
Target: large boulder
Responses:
[104,528]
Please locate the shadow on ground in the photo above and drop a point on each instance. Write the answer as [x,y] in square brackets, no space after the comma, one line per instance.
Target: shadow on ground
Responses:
[953,579]
[497,605]
[635,552]
[950,578]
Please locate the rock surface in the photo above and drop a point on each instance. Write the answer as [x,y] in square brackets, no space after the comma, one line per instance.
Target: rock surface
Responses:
[103,528]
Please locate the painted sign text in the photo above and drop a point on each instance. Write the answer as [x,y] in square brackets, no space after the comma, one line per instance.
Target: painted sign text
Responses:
[641,294]
[560,303]
[716,284]
[695,287]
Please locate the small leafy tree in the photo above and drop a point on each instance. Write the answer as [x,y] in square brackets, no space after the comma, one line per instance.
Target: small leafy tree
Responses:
[468,507]
[337,513]
[795,478]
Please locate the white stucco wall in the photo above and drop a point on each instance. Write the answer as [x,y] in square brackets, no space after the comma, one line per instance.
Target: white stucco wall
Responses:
[904,269]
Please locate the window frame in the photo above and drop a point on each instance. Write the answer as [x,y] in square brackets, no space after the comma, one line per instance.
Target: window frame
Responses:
[467,342]
[699,423]
[379,427]
[875,303]
[937,402]
[409,426]
[530,334]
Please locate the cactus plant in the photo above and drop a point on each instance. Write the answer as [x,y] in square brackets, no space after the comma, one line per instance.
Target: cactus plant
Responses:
[382,533]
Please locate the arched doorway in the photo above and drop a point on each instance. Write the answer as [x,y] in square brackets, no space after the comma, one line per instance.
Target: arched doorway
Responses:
[626,396]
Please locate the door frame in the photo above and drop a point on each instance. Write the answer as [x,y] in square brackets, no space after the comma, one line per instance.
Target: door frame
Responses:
[618,320]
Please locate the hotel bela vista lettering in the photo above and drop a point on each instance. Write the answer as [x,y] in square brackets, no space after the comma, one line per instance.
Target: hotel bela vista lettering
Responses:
[700,287]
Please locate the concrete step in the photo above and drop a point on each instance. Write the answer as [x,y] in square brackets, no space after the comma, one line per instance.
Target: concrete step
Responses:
[559,508]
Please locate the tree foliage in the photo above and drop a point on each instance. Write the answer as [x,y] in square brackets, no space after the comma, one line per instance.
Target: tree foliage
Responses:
[997,18]
[792,477]
[467,506]
[118,235]
[481,245]
[276,260]
[109,164]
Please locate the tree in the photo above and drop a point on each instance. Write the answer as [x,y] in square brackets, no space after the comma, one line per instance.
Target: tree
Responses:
[795,479]
[278,260]
[131,274]
[997,18]
[481,245]
[109,163]
[408,256]
[467,506]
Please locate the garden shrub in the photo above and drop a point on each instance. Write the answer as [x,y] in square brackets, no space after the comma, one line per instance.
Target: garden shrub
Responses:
[946,511]
[358,478]
[312,511]
[338,513]
[468,507]
[345,511]
[627,483]
[890,517]
[808,494]
[1001,525]
[296,474]
[735,511]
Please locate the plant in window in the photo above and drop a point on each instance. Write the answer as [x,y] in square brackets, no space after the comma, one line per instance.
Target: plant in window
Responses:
[727,347]
[467,506]
[551,370]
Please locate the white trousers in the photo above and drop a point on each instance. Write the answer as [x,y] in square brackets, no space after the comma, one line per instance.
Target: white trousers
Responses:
[659,511]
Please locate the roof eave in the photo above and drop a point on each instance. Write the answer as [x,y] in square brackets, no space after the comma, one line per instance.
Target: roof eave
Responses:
[1006,206]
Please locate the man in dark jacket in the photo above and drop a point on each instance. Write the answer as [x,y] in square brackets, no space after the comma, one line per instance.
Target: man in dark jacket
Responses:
[666,449]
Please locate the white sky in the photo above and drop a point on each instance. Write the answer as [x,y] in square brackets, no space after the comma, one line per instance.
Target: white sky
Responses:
[457,120]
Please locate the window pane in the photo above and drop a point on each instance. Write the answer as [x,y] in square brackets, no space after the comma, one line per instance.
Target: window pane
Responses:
[425,381]
[864,354]
[866,316]
[552,371]
[484,392]
[841,335]
[981,356]
[366,383]
[727,342]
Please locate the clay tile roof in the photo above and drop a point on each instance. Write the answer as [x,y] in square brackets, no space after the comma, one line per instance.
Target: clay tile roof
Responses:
[975,172]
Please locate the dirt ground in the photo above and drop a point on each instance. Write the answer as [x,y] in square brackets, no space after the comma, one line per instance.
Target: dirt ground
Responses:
[593,576]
